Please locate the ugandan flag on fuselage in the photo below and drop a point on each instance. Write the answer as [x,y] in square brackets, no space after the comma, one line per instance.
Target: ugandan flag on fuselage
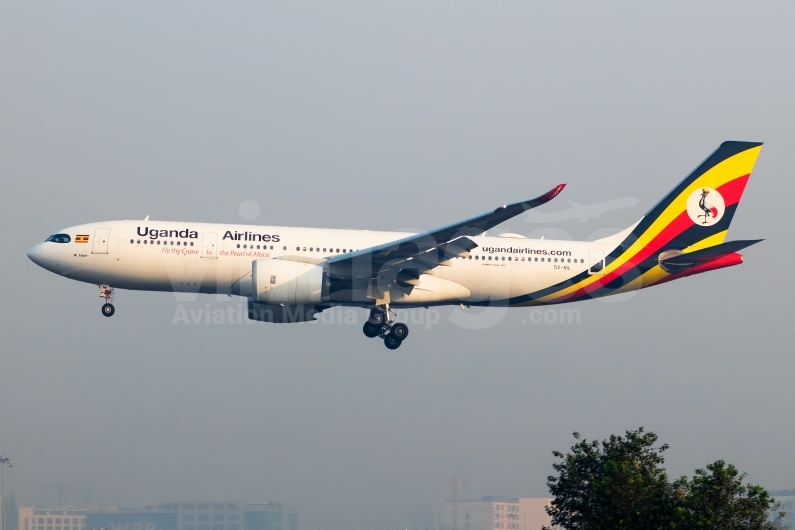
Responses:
[696,214]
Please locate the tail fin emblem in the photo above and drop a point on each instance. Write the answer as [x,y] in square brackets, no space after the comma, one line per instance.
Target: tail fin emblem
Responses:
[705,206]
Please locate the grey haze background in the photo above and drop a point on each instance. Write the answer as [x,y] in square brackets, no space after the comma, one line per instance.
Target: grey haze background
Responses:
[383,116]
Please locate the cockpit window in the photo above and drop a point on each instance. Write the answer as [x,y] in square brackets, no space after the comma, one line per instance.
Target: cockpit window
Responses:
[59,238]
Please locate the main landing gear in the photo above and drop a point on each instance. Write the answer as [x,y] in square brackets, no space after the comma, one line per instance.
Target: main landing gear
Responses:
[106,292]
[382,324]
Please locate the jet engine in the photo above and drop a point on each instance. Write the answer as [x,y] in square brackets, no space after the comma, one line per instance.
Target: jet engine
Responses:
[284,282]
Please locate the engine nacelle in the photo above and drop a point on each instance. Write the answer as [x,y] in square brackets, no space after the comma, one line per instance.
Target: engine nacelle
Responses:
[278,281]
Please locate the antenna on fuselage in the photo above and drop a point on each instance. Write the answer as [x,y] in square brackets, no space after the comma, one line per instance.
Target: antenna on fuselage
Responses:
[146,218]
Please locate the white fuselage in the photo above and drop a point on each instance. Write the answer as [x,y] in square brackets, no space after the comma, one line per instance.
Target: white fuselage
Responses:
[217,258]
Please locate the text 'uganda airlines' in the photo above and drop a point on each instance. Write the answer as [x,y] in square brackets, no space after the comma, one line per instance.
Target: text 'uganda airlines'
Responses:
[291,274]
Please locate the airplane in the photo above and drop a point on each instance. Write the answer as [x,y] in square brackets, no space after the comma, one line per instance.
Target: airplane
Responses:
[290,274]
[583,212]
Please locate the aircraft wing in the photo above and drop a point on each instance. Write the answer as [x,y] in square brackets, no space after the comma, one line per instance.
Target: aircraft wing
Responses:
[421,252]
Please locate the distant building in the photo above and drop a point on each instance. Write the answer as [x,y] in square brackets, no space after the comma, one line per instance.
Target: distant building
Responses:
[10,511]
[51,519]
[162,517]
[533,512]
[493,513]
[171,516]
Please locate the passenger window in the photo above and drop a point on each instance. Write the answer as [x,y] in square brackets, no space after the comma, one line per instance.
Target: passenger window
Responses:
[238,245]
[145,241]
[172,242]
[191,243]
[310,249]
[304,249]
[139,241]
[344,251]
[158,242]
[132,241]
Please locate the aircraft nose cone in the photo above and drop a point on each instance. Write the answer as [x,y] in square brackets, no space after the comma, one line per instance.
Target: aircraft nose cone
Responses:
[36,254]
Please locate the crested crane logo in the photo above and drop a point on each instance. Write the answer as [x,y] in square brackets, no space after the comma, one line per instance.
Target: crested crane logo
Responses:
[705,206]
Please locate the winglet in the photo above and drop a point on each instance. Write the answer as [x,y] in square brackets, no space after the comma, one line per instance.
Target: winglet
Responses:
[543,199]
[551,194]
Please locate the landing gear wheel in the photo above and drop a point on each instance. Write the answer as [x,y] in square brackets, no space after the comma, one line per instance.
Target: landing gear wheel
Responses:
[392,342]
[377,317]
[370,330]
[400,331]
[108,310]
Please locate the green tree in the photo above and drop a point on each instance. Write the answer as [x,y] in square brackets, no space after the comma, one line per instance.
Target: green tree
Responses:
[716,498]
[620,483]
[615,484]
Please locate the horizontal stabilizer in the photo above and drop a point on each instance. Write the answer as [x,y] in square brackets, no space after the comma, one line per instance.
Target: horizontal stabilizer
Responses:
[684,261]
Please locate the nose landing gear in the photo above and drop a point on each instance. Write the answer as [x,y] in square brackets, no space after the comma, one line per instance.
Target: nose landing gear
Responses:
[381,323]
[106,292]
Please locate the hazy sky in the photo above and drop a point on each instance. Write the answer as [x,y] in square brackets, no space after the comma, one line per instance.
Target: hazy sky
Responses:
[384,116]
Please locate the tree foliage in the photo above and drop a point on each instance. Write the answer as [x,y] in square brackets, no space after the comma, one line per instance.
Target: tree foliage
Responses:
[717,498]
[620,483]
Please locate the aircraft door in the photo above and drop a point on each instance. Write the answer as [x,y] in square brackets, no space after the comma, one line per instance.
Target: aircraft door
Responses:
[101,237]
[209,245]
[596,260]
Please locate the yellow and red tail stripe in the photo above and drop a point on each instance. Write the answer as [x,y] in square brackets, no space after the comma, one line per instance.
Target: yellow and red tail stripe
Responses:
[667,226]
